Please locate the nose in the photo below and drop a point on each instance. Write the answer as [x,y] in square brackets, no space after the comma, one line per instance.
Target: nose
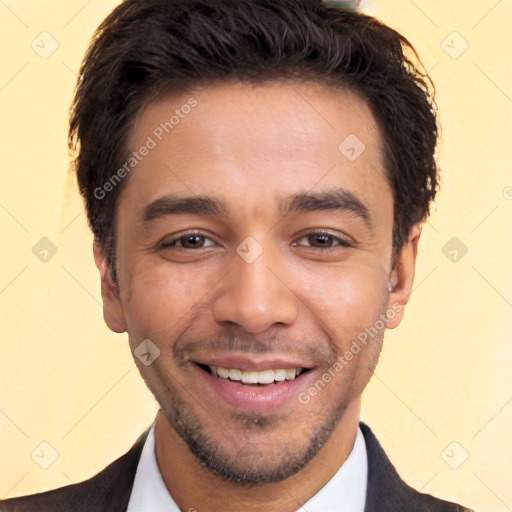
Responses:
[255,295]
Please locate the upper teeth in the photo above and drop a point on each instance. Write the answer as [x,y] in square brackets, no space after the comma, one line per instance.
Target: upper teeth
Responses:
[256,377]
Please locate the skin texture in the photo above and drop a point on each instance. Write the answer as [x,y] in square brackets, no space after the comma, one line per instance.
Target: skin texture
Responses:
[304,298]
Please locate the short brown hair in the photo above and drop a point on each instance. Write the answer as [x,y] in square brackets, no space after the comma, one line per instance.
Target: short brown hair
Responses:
[149,47]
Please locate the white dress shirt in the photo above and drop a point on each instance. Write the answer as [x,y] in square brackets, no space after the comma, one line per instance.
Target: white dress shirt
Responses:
[344,492]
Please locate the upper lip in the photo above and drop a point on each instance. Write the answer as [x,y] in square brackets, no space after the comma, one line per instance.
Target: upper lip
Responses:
[243,362]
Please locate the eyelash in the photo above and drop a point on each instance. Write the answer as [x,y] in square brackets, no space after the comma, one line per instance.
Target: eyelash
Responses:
[170,243]
[341,242]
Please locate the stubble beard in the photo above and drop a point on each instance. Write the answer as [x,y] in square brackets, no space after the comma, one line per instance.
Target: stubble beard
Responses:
[249,466]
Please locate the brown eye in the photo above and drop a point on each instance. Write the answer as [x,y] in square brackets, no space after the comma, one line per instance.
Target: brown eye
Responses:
[191,241]
[322,241]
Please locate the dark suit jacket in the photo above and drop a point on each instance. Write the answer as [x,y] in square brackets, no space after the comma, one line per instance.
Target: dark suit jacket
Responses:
[109,491]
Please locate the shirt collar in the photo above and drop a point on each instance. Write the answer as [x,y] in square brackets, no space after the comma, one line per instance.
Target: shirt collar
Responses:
[344,492]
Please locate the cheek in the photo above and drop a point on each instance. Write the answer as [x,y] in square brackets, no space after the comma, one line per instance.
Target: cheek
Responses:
[159,301]
[344,300]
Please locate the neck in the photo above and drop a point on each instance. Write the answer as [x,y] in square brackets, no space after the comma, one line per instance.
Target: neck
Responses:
[193,487]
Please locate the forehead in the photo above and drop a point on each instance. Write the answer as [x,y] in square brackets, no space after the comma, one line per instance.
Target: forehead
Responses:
[254,144]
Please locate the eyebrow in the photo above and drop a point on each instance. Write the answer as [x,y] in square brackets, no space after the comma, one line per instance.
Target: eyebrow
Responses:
[175,205]
[338,199]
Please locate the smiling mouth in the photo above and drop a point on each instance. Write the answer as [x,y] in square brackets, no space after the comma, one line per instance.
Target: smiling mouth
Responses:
[253,377]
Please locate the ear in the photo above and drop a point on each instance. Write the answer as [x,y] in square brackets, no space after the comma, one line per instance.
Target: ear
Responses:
[402,277]
[112,308]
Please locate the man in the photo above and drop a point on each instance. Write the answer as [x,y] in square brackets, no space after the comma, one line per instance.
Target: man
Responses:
[255,173]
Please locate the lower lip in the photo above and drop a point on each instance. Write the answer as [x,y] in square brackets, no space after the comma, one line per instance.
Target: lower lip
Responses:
[257,398]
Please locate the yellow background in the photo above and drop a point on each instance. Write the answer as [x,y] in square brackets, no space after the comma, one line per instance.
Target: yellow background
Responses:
[444,375]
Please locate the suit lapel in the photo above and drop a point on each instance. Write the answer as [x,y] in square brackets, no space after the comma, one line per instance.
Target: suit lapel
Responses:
[111,488]
[385,489]
[387,492]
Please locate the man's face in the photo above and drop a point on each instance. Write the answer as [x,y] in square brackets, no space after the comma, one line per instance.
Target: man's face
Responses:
[276,258]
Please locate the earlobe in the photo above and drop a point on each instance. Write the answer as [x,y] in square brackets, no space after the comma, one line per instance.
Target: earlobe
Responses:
[401,277]
[112,308]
